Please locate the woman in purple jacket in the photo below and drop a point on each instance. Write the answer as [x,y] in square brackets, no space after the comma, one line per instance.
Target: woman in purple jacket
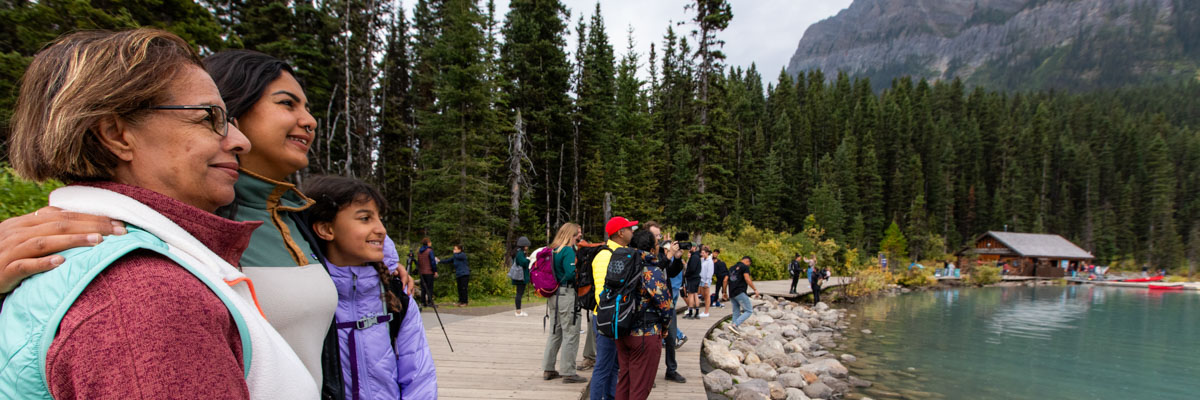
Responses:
[376,363]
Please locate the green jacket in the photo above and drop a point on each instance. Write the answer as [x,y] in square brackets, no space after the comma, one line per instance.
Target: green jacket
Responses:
[523,262]
[278,238]
[564,266]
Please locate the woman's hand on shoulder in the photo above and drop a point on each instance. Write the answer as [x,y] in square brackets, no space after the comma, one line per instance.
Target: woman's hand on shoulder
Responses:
[28,242]
[406,278]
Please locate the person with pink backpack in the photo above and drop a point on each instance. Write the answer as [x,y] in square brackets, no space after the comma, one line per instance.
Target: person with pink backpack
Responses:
[563,342]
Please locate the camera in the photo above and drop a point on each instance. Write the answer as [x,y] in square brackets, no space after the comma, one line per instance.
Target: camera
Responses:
[684,240]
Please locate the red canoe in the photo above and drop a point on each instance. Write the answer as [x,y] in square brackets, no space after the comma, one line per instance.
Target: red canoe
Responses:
[1150,279]
[1166,287]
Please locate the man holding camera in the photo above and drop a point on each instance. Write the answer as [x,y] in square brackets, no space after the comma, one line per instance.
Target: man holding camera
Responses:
[669,255]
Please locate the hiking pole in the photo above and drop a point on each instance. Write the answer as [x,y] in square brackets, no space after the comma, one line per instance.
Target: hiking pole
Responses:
[434,305]
[439,318]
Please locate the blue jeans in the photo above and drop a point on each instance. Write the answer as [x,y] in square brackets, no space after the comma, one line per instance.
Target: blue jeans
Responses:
[676,283]
[604,377]
[741,308]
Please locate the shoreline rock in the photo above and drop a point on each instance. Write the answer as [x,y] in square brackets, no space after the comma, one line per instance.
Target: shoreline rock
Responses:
[783,351]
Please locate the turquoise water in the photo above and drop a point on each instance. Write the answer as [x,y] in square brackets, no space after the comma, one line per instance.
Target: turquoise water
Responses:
[1050,342]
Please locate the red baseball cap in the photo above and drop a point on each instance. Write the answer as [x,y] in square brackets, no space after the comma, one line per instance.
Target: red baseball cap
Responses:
[618,223]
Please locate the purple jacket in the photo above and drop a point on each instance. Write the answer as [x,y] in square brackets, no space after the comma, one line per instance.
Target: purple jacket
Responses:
[383,371]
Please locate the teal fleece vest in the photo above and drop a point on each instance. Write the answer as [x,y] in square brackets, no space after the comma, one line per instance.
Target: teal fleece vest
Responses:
[31,315]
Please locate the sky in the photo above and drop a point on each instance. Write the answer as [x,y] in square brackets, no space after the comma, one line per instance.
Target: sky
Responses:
[764,32]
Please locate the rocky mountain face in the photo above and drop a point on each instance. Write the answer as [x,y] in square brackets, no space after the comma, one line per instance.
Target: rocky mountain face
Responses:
[1009,44]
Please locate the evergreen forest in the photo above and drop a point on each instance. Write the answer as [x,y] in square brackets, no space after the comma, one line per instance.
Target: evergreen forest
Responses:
[481,125]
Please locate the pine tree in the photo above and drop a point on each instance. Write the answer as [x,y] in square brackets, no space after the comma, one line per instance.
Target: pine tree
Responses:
[894,244]
[596,103]
[1164,248]
[632,122]
[396,141]
[536,73]
[827,209]
[457,180]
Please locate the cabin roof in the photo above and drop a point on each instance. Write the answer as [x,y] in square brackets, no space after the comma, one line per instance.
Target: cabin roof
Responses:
[1038,245]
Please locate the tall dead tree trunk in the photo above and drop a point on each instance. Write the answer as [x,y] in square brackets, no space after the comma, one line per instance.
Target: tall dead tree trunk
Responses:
[516,156]
[346,101]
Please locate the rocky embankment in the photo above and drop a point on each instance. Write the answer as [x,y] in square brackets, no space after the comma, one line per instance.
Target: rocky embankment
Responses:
[784,351]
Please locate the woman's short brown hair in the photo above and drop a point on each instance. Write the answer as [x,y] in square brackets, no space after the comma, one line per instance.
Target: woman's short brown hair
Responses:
[79,79]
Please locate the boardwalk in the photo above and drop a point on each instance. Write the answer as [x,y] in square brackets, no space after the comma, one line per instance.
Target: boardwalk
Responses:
[499,356]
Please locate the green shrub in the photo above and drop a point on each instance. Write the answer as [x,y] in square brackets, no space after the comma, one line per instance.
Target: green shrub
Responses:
[918,277]
[984,275]
[867,281]
[19,196]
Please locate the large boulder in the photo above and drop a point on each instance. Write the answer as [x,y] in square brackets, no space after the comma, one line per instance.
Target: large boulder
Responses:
[777,391]
[826,366]
[761,371]
[858,382]
[770,348]
[749,395]
[718,381]
[800,344]
[836,384]
[819,390]
[792,360]
[720,357]
[796,394]
[754,386]
[792,380]
[743,346]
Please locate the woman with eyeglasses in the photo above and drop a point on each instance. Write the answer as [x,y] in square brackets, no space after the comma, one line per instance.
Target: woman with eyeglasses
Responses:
[137,127]
[295,292]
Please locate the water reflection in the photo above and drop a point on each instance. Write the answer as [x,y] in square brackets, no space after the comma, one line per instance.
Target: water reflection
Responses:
[1025,315]
[1074,342]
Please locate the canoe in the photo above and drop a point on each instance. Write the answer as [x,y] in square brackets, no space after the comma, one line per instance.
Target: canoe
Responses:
[1166,287]
[1150,279]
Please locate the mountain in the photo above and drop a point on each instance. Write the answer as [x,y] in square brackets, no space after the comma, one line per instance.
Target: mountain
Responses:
[1009,44]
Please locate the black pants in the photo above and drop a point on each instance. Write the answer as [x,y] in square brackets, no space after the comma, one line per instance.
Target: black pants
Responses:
[816,289]
[669,349]
[462,288]
[426,289]
[716,294]
[520,293]
[795,279]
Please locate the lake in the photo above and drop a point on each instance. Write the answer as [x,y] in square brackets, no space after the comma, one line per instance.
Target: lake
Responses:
[1047,342]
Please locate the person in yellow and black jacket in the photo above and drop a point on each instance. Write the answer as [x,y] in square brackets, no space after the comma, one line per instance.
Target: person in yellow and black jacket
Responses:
[604,378]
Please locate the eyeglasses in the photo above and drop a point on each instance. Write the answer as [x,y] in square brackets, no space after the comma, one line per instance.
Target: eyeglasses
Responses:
[217,116]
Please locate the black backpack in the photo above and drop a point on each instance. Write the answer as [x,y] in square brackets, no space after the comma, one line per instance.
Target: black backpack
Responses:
[617,313]
[585,286]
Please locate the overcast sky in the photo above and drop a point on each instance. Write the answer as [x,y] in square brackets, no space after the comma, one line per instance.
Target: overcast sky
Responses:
[764,32]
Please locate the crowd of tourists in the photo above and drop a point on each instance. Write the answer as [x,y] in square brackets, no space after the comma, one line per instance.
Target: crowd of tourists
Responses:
[626,289]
